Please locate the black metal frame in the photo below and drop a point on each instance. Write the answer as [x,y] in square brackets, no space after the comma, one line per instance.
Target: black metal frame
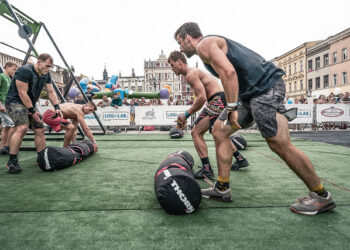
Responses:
[28,54]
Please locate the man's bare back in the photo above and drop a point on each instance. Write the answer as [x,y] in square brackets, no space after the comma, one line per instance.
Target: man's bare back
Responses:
[71,110]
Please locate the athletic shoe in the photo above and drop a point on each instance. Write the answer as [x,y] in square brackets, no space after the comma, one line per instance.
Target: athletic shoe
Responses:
[204,172]
[215,194]
[4,151]
[240,164]
[13,167]
[313,204]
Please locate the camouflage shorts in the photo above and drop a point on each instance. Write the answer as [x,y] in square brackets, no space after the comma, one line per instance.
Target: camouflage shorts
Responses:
[262,109]
[19,115]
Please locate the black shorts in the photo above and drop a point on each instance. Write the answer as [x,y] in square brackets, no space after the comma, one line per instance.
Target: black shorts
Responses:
[262,109]
[213,108]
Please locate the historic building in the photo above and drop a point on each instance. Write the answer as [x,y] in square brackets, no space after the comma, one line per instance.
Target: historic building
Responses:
[158,74]
[132,82]
[293,64]
[328,65]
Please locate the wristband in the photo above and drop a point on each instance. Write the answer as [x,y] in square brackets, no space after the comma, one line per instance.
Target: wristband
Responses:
[31,110]
[233,106]
[187,115]
[57,107]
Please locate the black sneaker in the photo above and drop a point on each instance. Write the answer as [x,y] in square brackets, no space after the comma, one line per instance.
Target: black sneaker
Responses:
[240,164]
[203,172]
[5,151]
[13,167]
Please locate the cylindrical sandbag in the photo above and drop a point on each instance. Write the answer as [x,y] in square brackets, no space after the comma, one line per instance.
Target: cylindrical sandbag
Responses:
[238,141]
[175,161]
[55,158]
[177,191]
[80,148]
[176,133]
[187,157]
[90,145]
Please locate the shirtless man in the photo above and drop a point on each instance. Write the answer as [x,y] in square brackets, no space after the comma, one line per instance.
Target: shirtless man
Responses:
[76,113]
[206,88]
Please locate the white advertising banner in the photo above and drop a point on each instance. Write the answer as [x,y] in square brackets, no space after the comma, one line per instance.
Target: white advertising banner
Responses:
[304,114]
[110,116]
[159,115]
[333,113]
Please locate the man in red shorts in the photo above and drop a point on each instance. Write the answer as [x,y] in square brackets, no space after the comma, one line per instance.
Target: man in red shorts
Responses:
[76,113]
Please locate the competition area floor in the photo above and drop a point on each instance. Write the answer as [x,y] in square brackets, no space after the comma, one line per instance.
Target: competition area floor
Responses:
[108,201]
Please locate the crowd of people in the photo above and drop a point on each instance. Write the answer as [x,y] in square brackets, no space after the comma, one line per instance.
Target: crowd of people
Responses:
[343,98]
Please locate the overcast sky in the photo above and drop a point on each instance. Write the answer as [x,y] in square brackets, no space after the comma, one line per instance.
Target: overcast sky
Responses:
[122,34]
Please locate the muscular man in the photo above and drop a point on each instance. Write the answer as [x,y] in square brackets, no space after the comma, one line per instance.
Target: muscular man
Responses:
[26,86]
[259,85]
[206,88]
[8,127]
[76,113]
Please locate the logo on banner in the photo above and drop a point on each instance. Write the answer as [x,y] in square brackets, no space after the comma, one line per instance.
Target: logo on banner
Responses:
[332,112]
[91,117]
[303,113]
[149,115]
[108,116]
[173,114]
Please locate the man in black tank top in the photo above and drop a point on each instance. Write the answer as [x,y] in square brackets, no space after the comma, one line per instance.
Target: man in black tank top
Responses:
[246,75]
[216,103]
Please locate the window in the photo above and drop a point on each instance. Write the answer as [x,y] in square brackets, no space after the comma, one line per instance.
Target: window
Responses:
[325,60]
[318,83]
[317,63]
[334,79]
[334,57]
[301,85]
[344,56]
[344,76]
[285,70]
[301,65]
[290,69]
[325,81]
[295,85]
[309,65]
[290,87]
[139,88]
[133,88]
[295,67]
[310,84]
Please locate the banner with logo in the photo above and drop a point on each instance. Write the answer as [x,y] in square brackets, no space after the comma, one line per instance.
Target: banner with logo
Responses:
[333,113]
[304,114]
[159,115]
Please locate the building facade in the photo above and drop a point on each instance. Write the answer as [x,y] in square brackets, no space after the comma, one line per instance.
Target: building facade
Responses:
[329,65]
[132,82]
[293,64]
[158,74]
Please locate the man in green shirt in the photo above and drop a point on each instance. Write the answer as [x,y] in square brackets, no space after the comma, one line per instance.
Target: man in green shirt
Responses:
[116,101]
[7,123]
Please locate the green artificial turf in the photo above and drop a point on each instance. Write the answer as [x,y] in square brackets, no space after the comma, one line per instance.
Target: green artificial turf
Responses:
[108,201]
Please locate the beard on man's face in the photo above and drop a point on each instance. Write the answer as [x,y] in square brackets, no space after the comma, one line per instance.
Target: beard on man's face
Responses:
[189,53]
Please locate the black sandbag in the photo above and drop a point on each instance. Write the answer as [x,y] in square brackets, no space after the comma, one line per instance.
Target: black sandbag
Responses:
[177,191]
[176,133]
[56,158]
[81,148]
[175,161]
[90,145]
[187,157]
[238,141]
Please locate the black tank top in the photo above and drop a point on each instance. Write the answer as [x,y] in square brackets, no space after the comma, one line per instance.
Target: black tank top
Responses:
[255,74]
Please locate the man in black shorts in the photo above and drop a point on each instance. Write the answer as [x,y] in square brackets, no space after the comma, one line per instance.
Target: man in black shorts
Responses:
[26,86]
[258,83]
[206,88]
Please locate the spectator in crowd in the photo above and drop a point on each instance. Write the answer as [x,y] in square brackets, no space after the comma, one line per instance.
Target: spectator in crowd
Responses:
[132,113]
[137,102]
[340,96]
[8,127]
[89,94]
[153,102]
[345,99]
[143,102]
[80,100]
[125,101]
[302,99]
[47,103]
[159,102]
[296,101]
[179,101]
[322,99]
[286,99]
[116,101]
[171,100]
[105,102]
[191,101]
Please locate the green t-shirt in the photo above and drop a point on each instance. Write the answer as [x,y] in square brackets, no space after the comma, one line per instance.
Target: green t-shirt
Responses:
[4,87]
